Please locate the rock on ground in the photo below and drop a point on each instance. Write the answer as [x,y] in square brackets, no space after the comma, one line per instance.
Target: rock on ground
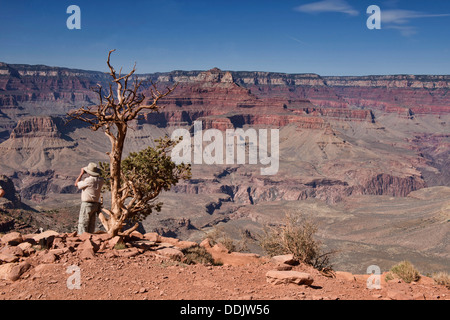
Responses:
[283,277]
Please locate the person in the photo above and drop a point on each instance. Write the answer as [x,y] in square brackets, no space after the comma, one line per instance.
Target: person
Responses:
[2,192]
[90,195]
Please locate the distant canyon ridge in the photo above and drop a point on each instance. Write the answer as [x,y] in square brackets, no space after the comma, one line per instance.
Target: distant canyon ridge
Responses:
[341,139]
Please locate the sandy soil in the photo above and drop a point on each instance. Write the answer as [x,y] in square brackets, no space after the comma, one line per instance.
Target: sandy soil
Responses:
[149,276]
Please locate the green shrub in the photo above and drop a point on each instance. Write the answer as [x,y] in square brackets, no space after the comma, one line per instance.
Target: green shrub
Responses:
[405,271]
[388,277]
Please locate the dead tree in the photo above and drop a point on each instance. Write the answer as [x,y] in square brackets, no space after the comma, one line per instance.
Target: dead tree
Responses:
[116,108]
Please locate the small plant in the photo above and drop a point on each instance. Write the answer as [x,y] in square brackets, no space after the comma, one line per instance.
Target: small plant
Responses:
[120,246]
[296,237]
[218,235]
[196,255]
[388,277]
[405,271]
[442,278]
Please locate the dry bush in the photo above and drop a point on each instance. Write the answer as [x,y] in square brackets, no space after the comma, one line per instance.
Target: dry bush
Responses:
[218,235]
[442,278]
[200,255]
[404,270]
[296,237]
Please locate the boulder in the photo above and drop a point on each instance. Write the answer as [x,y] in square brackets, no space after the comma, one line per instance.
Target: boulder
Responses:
[5,270]
[59,252]
[285,259]
[43,267]
[165,245]
[58,243]
[283,267]
[100,237]
[12,238]
[45,239]
[8,258]
[73,242]
[186,244]
[85,236]
[346,276]
[29,238]
[48,257]
[87,253]
[144,244]
[111,254]
[117,240]
[128,253]
[13,271]
[170,240]
[136,235]
[73,239]
[88,244]
[219,247]
[152,236]
[27,248]
[276,277]
[14,250]
[172,253]
[100,240]
[205,244]
[44,235]
[103,246]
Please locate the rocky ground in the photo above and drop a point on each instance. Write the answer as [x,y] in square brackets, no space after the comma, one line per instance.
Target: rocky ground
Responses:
[53,266]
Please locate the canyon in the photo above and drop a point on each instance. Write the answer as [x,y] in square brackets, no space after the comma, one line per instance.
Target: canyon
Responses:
[367,156]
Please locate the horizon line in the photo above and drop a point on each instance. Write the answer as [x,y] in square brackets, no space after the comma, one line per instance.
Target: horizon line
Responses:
[236,71]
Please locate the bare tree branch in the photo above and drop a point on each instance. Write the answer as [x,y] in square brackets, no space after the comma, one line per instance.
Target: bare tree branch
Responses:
[122,102]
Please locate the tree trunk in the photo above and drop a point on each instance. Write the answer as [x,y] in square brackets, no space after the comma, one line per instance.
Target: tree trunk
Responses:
[116,114]
[117,218]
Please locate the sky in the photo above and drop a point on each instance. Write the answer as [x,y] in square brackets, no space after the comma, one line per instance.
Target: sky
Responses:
[327,37]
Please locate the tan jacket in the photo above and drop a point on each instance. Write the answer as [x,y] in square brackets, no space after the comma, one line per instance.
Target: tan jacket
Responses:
[91,188]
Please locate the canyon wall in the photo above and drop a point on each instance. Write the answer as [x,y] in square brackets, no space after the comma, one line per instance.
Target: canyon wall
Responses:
[35,140]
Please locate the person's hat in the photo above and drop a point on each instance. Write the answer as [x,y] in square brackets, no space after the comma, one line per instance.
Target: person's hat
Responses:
[92,169]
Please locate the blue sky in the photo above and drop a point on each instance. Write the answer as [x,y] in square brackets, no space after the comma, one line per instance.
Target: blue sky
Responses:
[328,37]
